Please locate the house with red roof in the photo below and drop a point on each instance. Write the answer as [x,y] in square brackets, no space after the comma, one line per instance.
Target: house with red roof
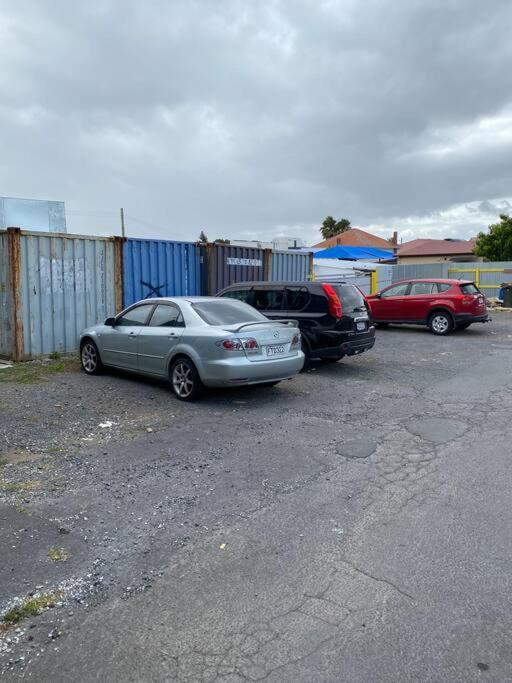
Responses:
[355,237]
[437,251]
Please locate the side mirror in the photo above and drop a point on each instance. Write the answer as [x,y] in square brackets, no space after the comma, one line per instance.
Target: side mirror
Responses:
[377,295]
[110,322]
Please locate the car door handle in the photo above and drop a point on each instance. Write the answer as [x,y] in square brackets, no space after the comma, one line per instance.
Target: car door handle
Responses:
[131,335]
[171,334]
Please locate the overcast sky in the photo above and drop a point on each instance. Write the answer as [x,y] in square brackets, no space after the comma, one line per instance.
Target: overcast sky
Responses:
[251,119]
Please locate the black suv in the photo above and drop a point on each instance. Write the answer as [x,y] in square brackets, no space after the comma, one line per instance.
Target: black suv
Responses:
[333,317]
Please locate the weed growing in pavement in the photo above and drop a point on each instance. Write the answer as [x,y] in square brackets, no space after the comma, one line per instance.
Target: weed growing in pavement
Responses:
[30,607]
[37,371]
[58,554]
[15,486]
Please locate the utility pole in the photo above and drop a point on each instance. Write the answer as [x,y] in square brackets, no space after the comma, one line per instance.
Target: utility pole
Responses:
[123,233]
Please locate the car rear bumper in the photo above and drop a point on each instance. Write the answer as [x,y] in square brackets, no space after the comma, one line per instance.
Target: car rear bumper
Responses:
[468,318]
[351,345]
[240,371]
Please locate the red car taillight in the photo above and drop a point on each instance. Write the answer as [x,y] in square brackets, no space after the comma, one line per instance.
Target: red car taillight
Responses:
[333,301]
[233,344]
[296,340]
[251,345]
[230,344]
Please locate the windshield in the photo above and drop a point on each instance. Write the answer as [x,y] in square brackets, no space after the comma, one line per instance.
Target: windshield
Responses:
[227,312]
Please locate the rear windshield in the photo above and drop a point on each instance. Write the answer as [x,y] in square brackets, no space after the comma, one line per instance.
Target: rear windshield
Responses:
[227,312]
[351,297]
[469,289]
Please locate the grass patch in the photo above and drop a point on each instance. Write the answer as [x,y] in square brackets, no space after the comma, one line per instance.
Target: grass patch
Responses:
[3,462]
[16,486]
[55,355]
[30,607]
[58,554]
[37,371]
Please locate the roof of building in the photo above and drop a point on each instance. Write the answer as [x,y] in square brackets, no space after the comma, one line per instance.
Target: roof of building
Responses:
[355,237]
[427,247]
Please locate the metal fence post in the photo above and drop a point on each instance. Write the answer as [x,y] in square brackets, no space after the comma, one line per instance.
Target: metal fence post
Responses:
[373,282]
[14,257]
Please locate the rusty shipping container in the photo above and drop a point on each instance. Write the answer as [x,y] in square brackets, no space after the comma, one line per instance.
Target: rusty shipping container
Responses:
[6,309]
[56,285]
[225,264]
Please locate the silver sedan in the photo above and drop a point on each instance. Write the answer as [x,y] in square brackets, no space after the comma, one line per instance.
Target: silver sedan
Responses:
[195,342]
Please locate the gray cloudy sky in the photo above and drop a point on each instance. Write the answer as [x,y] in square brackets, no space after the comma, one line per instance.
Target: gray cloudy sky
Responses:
[252,119]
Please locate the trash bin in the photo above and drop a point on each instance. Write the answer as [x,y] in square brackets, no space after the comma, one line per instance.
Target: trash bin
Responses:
[506,294]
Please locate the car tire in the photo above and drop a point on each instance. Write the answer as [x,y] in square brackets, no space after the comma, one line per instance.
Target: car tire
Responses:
[307,355]
[185,381]
[463,326]
[90,358]
[440,323]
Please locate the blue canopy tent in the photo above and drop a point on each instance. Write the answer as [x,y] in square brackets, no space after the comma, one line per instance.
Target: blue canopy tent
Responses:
[355,253]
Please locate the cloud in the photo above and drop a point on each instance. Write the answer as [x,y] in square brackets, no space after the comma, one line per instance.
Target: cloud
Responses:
[256,119]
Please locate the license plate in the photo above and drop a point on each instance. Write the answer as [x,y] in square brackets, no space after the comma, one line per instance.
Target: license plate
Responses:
[276,350]
[360,327]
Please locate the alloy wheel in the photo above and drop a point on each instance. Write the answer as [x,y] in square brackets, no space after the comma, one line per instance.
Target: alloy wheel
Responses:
[89,357]
[182,380]
[440,324]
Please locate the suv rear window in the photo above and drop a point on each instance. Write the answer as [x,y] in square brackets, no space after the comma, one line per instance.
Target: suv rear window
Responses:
[351,298]
[469,289]
[227,312]
[268,299]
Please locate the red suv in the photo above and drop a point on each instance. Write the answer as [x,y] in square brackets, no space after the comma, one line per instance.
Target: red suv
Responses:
[443,305]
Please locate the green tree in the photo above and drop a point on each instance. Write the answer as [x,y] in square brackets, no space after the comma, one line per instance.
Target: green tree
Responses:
[496,245]
[331,227]
[220,240]
[202,237]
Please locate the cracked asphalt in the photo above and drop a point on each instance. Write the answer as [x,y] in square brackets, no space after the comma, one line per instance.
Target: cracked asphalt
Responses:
[352,524]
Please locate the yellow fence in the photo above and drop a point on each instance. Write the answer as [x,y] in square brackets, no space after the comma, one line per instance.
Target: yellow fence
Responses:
[484,278]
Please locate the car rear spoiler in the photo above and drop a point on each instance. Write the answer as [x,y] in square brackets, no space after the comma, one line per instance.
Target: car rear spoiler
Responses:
[292,323]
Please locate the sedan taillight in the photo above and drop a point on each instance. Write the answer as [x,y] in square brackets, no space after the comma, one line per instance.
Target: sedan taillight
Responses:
[251,345]
[230,344]
[296,340]
[234,344]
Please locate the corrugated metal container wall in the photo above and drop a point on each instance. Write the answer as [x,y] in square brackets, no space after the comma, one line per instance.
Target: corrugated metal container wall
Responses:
[384,276]
[420,270]
[291,266]
[67,283]
[160,268]
[5,300]
[228,264]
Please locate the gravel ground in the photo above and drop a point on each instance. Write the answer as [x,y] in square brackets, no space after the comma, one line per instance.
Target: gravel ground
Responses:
[350,524]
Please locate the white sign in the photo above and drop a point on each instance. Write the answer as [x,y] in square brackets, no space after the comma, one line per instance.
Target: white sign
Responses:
[243,261]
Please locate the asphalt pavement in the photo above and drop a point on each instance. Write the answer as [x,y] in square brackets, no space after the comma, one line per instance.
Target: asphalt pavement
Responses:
[352,524]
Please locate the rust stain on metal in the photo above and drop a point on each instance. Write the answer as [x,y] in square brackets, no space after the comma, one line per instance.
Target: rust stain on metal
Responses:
[14,256]
[118,272]
[267,264]
[212,264]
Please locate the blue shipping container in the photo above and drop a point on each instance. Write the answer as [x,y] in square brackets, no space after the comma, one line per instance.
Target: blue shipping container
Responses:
[159,268]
